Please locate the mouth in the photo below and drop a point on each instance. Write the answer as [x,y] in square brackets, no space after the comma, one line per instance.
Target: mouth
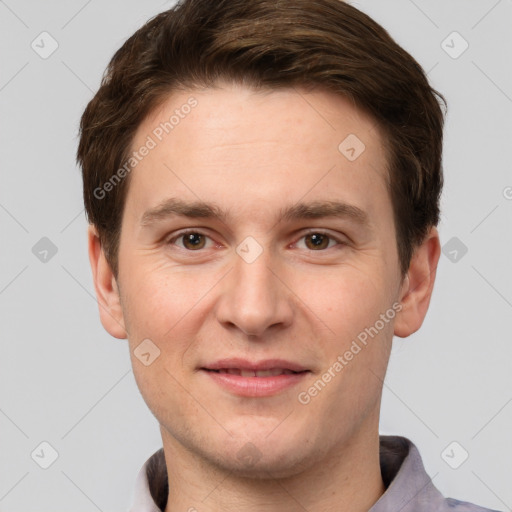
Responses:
[255,379]
[272,372]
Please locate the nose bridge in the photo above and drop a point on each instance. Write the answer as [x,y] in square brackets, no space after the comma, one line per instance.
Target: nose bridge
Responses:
[253,298]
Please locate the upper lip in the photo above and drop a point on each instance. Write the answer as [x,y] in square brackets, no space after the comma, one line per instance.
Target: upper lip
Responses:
[244,364]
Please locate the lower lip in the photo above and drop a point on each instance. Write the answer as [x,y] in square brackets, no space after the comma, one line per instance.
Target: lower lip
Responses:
[256,386]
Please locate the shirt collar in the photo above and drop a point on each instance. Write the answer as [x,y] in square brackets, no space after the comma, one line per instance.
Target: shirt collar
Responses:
[408,487]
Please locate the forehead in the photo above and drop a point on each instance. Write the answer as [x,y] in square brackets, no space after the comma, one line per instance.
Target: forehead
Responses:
[255,149]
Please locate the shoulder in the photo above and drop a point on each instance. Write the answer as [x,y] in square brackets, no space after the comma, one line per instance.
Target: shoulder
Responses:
[408,487]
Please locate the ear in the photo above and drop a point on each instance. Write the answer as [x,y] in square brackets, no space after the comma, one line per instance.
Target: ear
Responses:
[418,284]
[107,291]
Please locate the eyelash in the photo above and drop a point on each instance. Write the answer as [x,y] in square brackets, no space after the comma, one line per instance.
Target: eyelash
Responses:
[198,232]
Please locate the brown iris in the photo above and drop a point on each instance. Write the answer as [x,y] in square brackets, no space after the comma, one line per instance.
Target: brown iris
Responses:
[318,241]
[193,241]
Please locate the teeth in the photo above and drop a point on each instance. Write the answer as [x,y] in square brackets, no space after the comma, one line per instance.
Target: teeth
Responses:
[272,372]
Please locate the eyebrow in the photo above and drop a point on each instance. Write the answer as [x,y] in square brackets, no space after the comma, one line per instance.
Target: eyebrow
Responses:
[202,210]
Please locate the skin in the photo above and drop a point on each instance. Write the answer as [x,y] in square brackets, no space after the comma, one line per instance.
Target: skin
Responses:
[254,153]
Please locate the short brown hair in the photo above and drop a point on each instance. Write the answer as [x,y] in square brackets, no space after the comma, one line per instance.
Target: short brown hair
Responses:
[268,44]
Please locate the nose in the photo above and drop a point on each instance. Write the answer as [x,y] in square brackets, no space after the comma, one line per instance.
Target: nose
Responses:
[254,298]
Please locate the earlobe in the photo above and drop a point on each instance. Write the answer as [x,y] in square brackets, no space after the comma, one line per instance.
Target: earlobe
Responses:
[107,292]
[418,285]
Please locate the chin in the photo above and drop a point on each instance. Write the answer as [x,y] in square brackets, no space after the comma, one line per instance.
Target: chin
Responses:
[265,456]
[256,447]
[249,462]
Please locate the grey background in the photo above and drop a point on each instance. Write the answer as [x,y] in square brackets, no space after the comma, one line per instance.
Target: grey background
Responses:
[65,381]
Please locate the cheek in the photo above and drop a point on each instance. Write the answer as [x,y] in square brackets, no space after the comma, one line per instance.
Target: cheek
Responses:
[356,347]
[159,385]
[159,301]
[346,299]
[167,306]
[160,307]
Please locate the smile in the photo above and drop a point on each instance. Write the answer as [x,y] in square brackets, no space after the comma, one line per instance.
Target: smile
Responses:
[245,378]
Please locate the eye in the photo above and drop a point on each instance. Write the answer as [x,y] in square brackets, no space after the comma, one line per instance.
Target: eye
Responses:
[192,240]
[319,240]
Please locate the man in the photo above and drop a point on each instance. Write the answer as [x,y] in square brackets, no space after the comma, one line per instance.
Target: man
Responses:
[262,183]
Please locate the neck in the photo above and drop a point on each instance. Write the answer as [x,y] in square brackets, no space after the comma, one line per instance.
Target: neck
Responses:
[346,478]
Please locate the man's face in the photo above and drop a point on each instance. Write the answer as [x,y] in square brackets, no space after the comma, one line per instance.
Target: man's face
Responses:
[255,286]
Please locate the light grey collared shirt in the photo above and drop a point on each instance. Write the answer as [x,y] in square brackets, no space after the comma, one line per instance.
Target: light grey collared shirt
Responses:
[408,487]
